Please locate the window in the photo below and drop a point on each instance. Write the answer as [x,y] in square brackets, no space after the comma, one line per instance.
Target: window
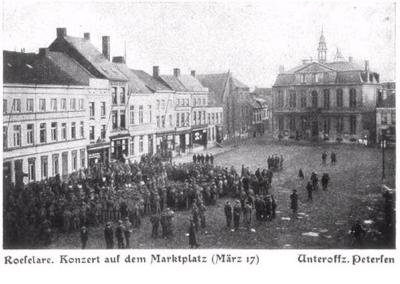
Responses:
[55,164]
[303,78]
[213,118]
[4,106]
[199,101]
[204,101]
[114,119]
[171,123]
[114,95]
[5,137]
[131,115]
[16,105]
[122,120]
[150,114]
[132,146]
[29,105]
[63,104]
[158,104]
[17,135]
[183,123]
[353,125]
[82,129]
[73,130]
[208,118]
[280,123]
[83,160]
[42,105]
[54,131]
[44,166]
[74,160]
[303,99]
[339,98]
[42,133]
[140,114]
[141,144]
[204,116]
[162,104]
[339,125]
[177,119]
[292,124]
[81,104]
[91,110]
[163,121]
[292,99]
[103,109]
[327,101]
[187,102]
[29,134]
[122,96]
[73,104]
[91,133]
[279,102]
[314,99]
[384,118]
[327,125]
[63,131]
[53,104]
[199,117]
[353,98]
[158,120]
[103,131]
[31,170]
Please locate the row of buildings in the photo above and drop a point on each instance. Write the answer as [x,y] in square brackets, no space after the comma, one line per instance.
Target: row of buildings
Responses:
[332,101]
[71,106]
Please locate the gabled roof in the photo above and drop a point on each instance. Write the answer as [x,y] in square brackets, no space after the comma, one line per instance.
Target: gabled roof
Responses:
[263,92]
[52,68]
[155,85]
[173,82]
[88,52]
[344,66]
[135,85]
[216,84]
[192,84]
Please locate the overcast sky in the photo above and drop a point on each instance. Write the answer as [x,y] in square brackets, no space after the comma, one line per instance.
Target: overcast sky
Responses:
[250,39]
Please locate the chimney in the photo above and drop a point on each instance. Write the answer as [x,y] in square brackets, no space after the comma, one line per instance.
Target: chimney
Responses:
[193,73]
[106,47]
[119,59]
[156,71]
[177,72]
[366,63]
[86,36]
[281,69]
[350,59]
[43,51]
[61,32]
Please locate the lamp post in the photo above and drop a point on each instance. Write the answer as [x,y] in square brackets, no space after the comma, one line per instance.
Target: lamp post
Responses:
[383,145]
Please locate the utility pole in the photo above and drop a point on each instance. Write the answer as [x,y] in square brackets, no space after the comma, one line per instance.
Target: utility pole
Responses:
[383,145]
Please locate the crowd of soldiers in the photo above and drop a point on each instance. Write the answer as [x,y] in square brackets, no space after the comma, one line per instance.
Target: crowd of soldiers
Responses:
[274,162]
[201,159]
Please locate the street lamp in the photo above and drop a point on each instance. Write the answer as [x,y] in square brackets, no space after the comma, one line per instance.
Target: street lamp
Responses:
[383,146]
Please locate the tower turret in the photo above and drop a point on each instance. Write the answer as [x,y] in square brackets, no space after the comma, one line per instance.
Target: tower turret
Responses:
[322,48]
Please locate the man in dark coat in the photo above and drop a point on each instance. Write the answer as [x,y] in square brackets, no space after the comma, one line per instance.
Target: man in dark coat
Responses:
[324,155]
[228,213]
[192,235]
[84,236]
[155,221]
[294,202]
[119,234]
[207,158]
[324,181]
[109,236]
[198,158]
[127,232]
[194,159]
[301,174]
[309,188]
[211,159]
[358,233]
[274,206]
[237,210]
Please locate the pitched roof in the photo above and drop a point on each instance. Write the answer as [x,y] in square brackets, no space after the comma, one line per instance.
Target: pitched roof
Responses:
[263,92]
[216,84]
[237,84]
[173,82]
[344,66]
[192,83]
[152,83]
[135,85]
[52,68]
[90,53]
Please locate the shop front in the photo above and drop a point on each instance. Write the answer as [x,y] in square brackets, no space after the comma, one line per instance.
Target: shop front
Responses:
[119,147]
[98,153]
[199,137]
[165,144]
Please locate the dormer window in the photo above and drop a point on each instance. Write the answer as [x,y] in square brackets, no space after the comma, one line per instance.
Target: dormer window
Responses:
[302,78]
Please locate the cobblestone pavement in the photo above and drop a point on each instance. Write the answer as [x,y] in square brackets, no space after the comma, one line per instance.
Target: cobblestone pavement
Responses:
[353,193]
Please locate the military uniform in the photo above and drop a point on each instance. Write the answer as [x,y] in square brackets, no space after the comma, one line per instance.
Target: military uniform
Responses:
[109,236]
[155,221]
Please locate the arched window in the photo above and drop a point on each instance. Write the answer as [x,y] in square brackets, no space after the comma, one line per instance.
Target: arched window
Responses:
[353,100]
[339,98]
[327,101]
[314,98]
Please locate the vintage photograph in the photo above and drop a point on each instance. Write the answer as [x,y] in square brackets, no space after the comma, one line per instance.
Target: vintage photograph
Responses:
[172,125]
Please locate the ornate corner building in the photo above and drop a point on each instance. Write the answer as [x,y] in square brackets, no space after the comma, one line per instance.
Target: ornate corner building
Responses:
[321,100]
